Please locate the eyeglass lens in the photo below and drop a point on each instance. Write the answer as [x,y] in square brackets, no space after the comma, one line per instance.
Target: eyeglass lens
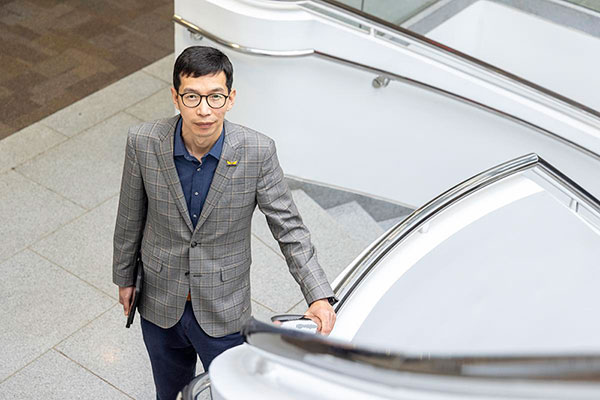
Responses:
[215,100]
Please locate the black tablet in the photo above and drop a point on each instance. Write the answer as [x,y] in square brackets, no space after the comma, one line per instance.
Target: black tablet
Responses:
[139,279]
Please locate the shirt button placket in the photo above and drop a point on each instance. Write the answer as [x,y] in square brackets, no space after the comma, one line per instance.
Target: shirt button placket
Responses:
[193,202]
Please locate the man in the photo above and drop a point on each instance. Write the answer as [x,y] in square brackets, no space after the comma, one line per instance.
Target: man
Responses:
[190,186]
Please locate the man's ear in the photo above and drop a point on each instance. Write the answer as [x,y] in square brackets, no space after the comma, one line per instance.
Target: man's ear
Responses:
[231,99]
[175,97]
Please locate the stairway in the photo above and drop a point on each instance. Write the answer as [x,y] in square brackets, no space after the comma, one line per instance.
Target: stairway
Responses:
[339,232]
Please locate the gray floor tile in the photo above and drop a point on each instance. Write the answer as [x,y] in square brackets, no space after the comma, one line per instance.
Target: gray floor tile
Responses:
[159,105]
[272,283]
[115,353]
[261,230]
[87,168]
[262,313]
[54,376]
[84,246]
[357,222]
[41,305]
[335,248]
[29,211]
[106,102]
[26,144]
[162,69]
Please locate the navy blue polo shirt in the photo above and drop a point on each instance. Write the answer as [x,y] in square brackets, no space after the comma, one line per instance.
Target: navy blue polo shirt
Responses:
[195,175]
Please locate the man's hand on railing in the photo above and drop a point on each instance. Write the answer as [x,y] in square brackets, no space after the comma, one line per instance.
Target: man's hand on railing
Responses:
[322,313]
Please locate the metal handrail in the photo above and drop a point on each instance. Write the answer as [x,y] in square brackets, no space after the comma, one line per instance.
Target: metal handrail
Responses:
[363,264]
[570,367]
[377,22]
[238,47]
[312,52]
[292,344]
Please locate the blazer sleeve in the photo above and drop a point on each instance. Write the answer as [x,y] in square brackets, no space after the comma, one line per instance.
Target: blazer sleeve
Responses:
[275,201]
[131,217]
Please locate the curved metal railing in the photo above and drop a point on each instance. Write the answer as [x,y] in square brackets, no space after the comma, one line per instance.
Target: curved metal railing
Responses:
[390,75]
[572,367]
[368,259]
[298,345]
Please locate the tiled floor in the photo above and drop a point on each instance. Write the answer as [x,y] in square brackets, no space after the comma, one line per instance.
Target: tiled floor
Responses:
[55,52]
[63,333]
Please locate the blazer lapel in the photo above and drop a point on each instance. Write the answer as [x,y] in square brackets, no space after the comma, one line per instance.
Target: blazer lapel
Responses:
[167,165]
[222,173]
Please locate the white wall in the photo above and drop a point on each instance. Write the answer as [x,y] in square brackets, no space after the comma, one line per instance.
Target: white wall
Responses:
[401,142]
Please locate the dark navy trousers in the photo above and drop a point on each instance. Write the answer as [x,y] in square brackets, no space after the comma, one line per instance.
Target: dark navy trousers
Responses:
[173,351]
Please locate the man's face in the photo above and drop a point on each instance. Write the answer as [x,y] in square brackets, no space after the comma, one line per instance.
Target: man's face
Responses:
[203,121]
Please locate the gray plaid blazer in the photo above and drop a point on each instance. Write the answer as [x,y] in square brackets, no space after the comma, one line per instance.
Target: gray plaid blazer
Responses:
[212,262]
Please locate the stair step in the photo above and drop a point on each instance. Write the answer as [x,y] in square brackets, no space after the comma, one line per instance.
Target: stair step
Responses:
[357,222]
[335,247]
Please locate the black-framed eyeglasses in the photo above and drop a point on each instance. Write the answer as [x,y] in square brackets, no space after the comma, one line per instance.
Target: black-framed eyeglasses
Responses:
[192,100]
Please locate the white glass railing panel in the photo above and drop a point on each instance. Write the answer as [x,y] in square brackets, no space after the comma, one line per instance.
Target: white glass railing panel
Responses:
[393,11]
[554,56]
[551,44]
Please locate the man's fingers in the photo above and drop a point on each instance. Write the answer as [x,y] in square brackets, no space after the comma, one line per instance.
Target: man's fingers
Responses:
[126,303]
[316,320]
[319,323]
[329,321]
[126,298]
[321,312]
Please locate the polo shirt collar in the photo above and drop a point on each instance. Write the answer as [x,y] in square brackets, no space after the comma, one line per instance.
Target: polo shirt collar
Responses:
[180,150]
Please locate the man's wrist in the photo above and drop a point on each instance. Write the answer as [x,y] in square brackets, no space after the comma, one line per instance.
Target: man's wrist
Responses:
[331,300]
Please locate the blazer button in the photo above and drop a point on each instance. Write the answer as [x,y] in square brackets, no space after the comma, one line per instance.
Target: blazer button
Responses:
[194,244]
[187,273]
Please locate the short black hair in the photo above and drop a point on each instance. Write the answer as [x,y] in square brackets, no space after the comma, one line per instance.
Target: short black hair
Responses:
[198,61]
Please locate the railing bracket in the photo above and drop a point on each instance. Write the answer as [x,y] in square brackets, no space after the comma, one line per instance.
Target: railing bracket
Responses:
[195,35]
[381,81]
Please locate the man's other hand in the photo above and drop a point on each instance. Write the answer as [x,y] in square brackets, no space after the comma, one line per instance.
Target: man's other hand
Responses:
[321,312]
[126,295]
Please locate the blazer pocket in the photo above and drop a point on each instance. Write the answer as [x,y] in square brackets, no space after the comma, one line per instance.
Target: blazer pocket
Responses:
[153,264]
[235,270]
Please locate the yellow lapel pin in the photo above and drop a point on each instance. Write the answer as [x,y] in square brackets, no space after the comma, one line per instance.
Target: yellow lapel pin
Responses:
[232,163]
